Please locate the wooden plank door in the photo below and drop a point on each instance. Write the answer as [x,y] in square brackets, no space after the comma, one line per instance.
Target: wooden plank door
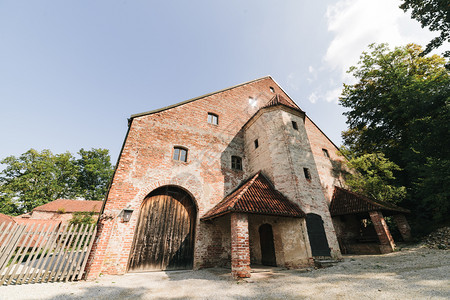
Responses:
[164,238]
[267,246]
[317,236]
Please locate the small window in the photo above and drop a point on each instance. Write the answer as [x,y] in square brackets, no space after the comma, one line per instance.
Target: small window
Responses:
[307,173]
[213,119]
[256,143]
[272,89]
[294,125]
[180,154]
[325,153]
[236,162]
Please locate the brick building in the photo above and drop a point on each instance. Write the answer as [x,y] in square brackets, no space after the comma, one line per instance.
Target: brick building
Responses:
[61,210]
[237,177]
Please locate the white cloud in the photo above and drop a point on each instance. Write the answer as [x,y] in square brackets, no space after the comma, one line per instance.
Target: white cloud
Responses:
[311,69]
[333,95]
[313,98]
[358,23]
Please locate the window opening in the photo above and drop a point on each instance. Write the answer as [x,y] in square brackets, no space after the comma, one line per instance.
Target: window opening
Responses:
[256,143]
[213,119]
[294,125]
[180,154]
[325,153]
[307,173]
[272,89]
[236,163]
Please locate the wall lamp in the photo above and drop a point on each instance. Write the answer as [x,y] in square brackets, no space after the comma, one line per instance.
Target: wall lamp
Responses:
[125,215]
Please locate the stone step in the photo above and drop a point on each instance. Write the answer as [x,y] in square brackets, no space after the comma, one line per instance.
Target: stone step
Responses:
[325,263]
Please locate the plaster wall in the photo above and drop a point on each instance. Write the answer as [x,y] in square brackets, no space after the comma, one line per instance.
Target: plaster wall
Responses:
[330,169]
[282,155]
[291,248]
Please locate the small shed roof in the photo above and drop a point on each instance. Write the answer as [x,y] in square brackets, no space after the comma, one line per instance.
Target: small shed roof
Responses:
[280,100]
[345,202]
[70,206]
[256,196]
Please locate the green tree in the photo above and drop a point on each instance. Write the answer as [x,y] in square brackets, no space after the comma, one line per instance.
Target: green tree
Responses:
[434,14]
[95,172]
[400,106]
[374,178]
[35,178]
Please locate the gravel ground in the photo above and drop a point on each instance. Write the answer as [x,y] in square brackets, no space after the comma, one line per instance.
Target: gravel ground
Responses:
[415,272]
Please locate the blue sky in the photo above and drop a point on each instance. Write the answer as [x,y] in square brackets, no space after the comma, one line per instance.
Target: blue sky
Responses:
[72,72]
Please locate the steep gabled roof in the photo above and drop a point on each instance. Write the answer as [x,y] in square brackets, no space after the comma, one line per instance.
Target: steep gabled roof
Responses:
[345,202]
[256,196]
[70,206]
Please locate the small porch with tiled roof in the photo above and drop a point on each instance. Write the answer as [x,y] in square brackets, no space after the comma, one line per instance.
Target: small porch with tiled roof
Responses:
[265,227]
[360,223]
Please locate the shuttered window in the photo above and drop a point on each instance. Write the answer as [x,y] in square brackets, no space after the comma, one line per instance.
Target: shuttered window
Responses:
[180,154]
[213,119]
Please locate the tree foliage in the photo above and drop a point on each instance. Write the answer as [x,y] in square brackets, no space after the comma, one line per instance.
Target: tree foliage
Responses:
[374,178]
[35,178]
[400,106]
[94,172]
[85,217]
[434,14]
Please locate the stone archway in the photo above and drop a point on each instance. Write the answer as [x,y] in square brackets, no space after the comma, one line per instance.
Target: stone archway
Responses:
[165,231]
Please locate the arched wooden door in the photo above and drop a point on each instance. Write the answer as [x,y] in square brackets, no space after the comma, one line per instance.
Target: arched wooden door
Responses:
[164,238]
[268,257]
[317,236]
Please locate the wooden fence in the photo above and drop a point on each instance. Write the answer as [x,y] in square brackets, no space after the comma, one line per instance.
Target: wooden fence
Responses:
[35,253]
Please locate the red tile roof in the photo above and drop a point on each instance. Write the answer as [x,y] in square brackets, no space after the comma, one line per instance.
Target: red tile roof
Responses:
[256,196]
[280,100]
[70,206]
[345,202]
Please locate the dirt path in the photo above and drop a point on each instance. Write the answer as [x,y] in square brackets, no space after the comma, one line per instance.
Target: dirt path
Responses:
[413,273]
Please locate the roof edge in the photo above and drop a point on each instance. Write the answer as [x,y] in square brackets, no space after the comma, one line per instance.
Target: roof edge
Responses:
[200,97]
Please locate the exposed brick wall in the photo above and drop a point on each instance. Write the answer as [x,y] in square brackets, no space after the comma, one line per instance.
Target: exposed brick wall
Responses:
[384,235]
[240,247]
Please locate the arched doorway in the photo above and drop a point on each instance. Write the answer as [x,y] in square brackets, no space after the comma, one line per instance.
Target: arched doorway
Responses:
[317,236]
[267,246]
[164,236]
